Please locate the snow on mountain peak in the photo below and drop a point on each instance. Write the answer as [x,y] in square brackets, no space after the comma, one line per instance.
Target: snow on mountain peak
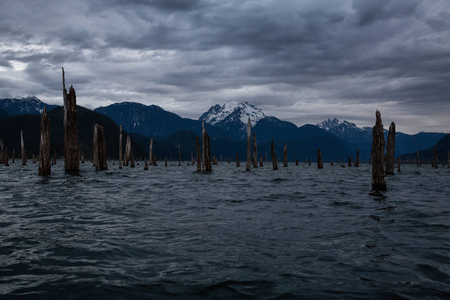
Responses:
[233,110]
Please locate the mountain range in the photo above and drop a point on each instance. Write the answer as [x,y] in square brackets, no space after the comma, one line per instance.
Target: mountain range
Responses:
[227,125]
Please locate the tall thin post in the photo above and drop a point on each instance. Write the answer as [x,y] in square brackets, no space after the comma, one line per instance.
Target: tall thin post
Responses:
[150,151]
[44,147]
[203,147]
[14,155]
[390,150]
[6,158]
[120,147]
[285,157]
[349,161]
[101,148]
[95,148]
[127,152]
[378,181]
[319,159]
[197,148]
[249,142]
[255,153]
[398,164]
[71,151]
[274,157]
[22,145]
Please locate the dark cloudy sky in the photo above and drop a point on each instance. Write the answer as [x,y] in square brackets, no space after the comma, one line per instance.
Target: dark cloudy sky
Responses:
[302,61]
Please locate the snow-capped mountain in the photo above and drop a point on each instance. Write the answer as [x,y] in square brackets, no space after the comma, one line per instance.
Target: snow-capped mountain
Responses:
[362,137]
[24,106]
[233,116]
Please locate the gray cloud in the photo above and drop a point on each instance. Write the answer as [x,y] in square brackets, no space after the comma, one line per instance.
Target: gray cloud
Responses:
[298,60]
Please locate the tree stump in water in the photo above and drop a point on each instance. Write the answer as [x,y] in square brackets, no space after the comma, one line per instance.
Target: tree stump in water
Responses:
[99,149]
[378,181]
[150,152]
[319,159]
[249,142]
[261,164]
[197,147]
[285,157]
[6,158]
[274,156]
[238,163]
[71,149]
[398,164]
[22,146]
[44,147]
[296,161]
[127,157]
[255,153]
[215,160]
[390,150]
[349,161]
[145,164]
[357,158]
[120,147]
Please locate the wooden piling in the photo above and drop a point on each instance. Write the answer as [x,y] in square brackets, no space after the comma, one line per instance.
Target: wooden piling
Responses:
[131,159]
[261,164]
[145,164]
[197,147]
[165,161]
[22,146]
[390,150]
[127,157]
[249,142]
[44,147]
[319,159]
[255,153]
[215,160]
[238,163]
[274,156]
[6,158]
[349,161]
[285,157]
[208,154]
[309,163]
[99,149]
[71,151]
[14,155]
[378,181]
[150,151]
[296,161]
[398,164]
[120,147]
[203,147]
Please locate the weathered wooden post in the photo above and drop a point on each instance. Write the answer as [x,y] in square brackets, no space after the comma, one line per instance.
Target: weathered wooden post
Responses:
[390,150]
[285,157]
[215,160]
[6,158]
[127,157]
[319,159]
[274,156]
[100,149]
[44,147]
[150,151]
[165,161]
[179,155]
[14,155]
[378,181]
[349,161]
[332,164]
[238,163]
[435,158]
[296,160]
[261,164]
[357,158]
[197,147]
[203,147]
[95,147]
[71,151]
[249,142]
[309,163]
[145,164]
[398,164]
[208,154]
[120,147]
[34,159]
[22,146]
[255,153]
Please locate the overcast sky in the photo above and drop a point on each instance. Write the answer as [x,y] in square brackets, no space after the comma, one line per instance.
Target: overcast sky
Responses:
[302,61]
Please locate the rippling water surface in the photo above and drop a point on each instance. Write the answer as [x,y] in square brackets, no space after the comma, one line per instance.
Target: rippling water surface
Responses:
[171,233]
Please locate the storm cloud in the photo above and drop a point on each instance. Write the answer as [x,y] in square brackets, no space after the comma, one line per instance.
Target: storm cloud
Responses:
[302,61]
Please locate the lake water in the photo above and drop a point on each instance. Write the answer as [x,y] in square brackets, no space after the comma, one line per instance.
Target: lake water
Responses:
[297,232]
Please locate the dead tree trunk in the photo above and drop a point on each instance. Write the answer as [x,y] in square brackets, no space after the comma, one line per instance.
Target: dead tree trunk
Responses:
[349,161]
[309,163]
[238,163]
[6,158]
[285,158]
[357,158]
[197,147]
[378,181]
[22,146]
[44,148]
[165,161]
[120,147]
[203,147]
[127,152]
[398,164]
[319,159]
[95,148]
[100,149]
[249,145]
[208,154]
[255,153]
[261,164]
[215,160]
[390,150]
[150,151]
[145,164]
[435,158]
[14,155]
[131,159]
[71,151]
[296,161]
[274,156]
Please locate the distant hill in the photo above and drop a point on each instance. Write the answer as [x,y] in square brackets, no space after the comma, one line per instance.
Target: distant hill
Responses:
[442,148]
[30,124]
[362,137]
[152,120]
[3,114]
[23,106]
